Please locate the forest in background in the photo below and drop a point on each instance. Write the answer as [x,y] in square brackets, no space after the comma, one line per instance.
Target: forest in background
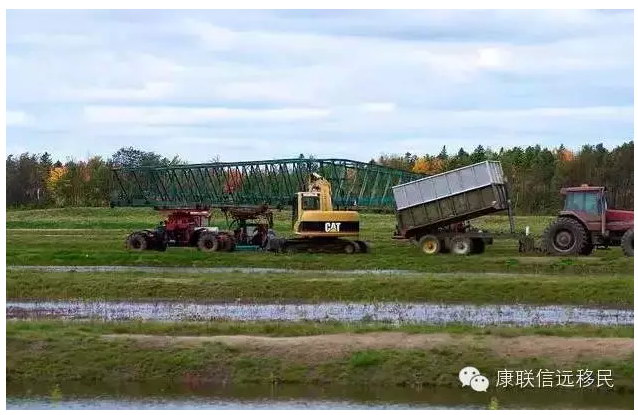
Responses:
[535,173]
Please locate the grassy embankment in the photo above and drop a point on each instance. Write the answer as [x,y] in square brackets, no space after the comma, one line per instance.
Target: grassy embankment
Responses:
[57,352]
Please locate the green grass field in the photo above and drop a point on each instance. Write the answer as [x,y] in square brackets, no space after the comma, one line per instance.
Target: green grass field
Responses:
[95,236]
[60,351]
[606,290]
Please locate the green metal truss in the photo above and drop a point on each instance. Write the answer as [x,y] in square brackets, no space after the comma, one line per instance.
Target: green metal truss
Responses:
[272,182]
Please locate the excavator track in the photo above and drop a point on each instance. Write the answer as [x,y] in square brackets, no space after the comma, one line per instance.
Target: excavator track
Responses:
[321,245]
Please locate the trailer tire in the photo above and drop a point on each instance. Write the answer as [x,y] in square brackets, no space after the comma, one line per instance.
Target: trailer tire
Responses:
[566,236]
[430,244]
[627,243]
[478,245]
[461,245]
[208,242]
[137,242]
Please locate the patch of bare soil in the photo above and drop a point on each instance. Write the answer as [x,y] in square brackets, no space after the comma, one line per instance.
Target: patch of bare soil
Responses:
[328,346]
[562,348]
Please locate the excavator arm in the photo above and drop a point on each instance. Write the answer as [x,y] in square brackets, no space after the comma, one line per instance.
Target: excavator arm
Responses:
[318,184]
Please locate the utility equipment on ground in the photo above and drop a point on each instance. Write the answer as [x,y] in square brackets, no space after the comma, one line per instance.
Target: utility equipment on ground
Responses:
[316,225]
[586,222]
[434,211]
[186,227]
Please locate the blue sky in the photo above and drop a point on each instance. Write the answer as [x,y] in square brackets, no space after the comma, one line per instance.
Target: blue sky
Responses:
[247,85]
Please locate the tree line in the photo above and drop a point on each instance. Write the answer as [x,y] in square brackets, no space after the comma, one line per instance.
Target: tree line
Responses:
[34,180]
[535,174]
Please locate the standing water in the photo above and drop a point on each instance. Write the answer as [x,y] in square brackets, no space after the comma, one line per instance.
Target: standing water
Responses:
[425,313]
[167,396]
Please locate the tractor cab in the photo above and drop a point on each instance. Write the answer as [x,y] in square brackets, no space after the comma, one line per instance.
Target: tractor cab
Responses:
[586,222]
[585,202]
[589,205]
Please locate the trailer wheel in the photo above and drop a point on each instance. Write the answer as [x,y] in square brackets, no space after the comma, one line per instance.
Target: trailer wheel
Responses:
[478,245]
[208,242]
[627,242]
[430,244]
[461,245]
[136,242]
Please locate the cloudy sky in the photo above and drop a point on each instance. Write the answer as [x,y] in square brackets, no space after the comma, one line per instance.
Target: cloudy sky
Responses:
[265,84]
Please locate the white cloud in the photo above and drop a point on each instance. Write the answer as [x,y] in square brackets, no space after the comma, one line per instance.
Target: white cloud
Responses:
[379,107]
[196,115]
[352,83]
[15,118]
[149,91]
[490,58]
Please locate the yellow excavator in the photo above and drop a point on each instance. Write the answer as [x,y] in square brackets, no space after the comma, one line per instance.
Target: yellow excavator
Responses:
[319,228]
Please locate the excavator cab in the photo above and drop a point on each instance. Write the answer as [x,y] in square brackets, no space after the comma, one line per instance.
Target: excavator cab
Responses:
[317,227]
[313,215]
[311,220]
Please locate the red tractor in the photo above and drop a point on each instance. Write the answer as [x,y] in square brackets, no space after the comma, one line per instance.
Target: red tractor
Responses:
[586,222]
[182,227]
[250,228]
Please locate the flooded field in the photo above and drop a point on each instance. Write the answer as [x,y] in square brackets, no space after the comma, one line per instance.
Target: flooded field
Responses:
[426,313]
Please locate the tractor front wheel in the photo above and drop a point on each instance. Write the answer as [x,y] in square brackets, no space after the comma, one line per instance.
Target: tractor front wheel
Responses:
[136,242]
[208,242]
[566,236]
[627,242]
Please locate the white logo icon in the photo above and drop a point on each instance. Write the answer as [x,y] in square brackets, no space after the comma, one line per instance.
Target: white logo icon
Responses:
[470,376]
[479,383]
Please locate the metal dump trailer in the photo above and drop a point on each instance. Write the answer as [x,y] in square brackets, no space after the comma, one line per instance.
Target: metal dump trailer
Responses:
[433,211]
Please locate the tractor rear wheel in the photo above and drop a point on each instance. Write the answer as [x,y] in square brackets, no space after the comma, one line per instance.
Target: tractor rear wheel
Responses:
[208,242]
[627,242]
[430,244]
[566,236]
[137,242]
[461,245]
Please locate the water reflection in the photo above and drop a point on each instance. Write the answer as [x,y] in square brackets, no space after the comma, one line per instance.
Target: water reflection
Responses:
[161,396]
